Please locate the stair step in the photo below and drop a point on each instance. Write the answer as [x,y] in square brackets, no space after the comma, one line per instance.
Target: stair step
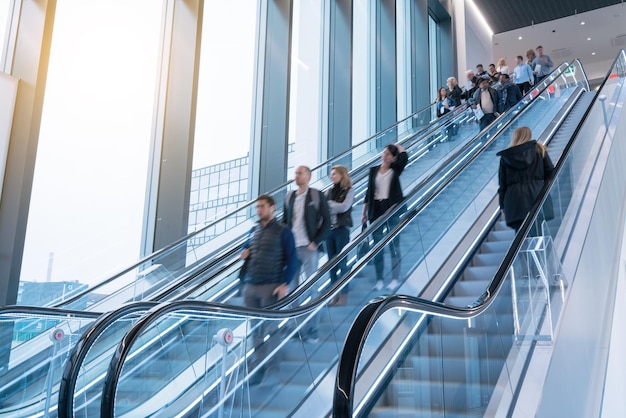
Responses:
[480,273]
[495,247]
[473,288]
[487,259]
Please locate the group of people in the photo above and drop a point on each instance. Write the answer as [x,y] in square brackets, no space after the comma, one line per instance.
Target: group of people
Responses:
[497,89]
[276,252]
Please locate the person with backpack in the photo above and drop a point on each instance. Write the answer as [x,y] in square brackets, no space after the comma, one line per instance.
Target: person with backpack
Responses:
[306,213]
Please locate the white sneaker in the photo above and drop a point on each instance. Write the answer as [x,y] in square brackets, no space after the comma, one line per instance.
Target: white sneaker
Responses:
[378,285]
[392,285]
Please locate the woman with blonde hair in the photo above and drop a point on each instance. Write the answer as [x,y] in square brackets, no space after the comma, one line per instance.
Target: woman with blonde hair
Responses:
[524,167]
[340,198]
[502,68]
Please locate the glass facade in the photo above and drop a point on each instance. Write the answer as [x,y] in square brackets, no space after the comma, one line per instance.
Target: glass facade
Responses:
[102,125]
[88,191]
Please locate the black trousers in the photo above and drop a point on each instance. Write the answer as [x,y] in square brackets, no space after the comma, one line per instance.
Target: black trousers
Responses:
[380,207]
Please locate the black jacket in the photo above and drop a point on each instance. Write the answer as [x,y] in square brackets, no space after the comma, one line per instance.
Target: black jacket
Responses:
[522,173]
[508,96]
[456,94]
[395,190]
[316,219]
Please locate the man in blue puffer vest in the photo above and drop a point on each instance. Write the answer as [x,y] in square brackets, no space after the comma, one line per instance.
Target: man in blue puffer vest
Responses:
[270,266]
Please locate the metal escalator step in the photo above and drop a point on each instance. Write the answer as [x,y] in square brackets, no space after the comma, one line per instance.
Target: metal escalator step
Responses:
[501,235]
[479,273]
[501,226]
[473,288]
[460,301]
[495,247]
[487,259]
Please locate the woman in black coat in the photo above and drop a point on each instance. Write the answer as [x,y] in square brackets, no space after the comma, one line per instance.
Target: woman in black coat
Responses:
[524,167]
[383,194]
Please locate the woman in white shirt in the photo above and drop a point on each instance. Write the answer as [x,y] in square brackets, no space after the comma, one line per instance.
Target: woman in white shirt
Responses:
[383,194]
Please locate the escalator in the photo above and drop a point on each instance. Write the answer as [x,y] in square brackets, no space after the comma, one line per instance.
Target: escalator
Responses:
[466,353]
[22,377]
[183,328]
[30,376]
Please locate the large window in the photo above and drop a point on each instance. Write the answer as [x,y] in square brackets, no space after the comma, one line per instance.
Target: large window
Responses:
[306,83]
[224,110]
[89,186]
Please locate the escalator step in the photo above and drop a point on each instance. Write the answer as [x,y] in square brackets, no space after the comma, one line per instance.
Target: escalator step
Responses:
[473,288]
[487,259]
[480,273]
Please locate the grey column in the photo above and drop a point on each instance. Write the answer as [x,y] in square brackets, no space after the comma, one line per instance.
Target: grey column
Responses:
[386,113]
[339,86]
[169,180]
[420,62]
[30,65]
[270,134]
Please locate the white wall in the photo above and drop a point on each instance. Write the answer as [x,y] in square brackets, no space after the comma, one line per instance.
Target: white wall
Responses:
[477,39]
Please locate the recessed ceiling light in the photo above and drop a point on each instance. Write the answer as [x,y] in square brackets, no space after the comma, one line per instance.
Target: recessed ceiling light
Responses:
[593,53]
[588,39]
[582,23]
[520,38]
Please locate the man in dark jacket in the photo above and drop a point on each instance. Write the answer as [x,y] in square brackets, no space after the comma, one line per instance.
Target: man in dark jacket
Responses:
[486,98]
[306,213]
[271,264]
[508,94]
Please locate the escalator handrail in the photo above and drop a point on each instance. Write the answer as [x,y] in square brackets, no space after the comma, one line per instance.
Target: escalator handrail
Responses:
[209,309]
[44,311]
[369,315]
[82,347]
[248,205]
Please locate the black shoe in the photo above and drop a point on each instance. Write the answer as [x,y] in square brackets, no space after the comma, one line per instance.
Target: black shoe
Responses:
[257,378]
[311,337]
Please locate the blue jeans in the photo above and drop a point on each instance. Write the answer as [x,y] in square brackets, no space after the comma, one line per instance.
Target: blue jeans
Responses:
[337,239]
[486,120]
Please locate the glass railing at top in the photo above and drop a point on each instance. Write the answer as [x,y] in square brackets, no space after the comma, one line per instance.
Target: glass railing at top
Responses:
[187,257]
[305,364]
[470,361]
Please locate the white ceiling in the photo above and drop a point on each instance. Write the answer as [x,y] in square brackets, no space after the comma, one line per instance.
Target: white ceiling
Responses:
[567,39]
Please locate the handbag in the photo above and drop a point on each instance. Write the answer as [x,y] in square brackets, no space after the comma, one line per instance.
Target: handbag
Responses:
[364,247]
